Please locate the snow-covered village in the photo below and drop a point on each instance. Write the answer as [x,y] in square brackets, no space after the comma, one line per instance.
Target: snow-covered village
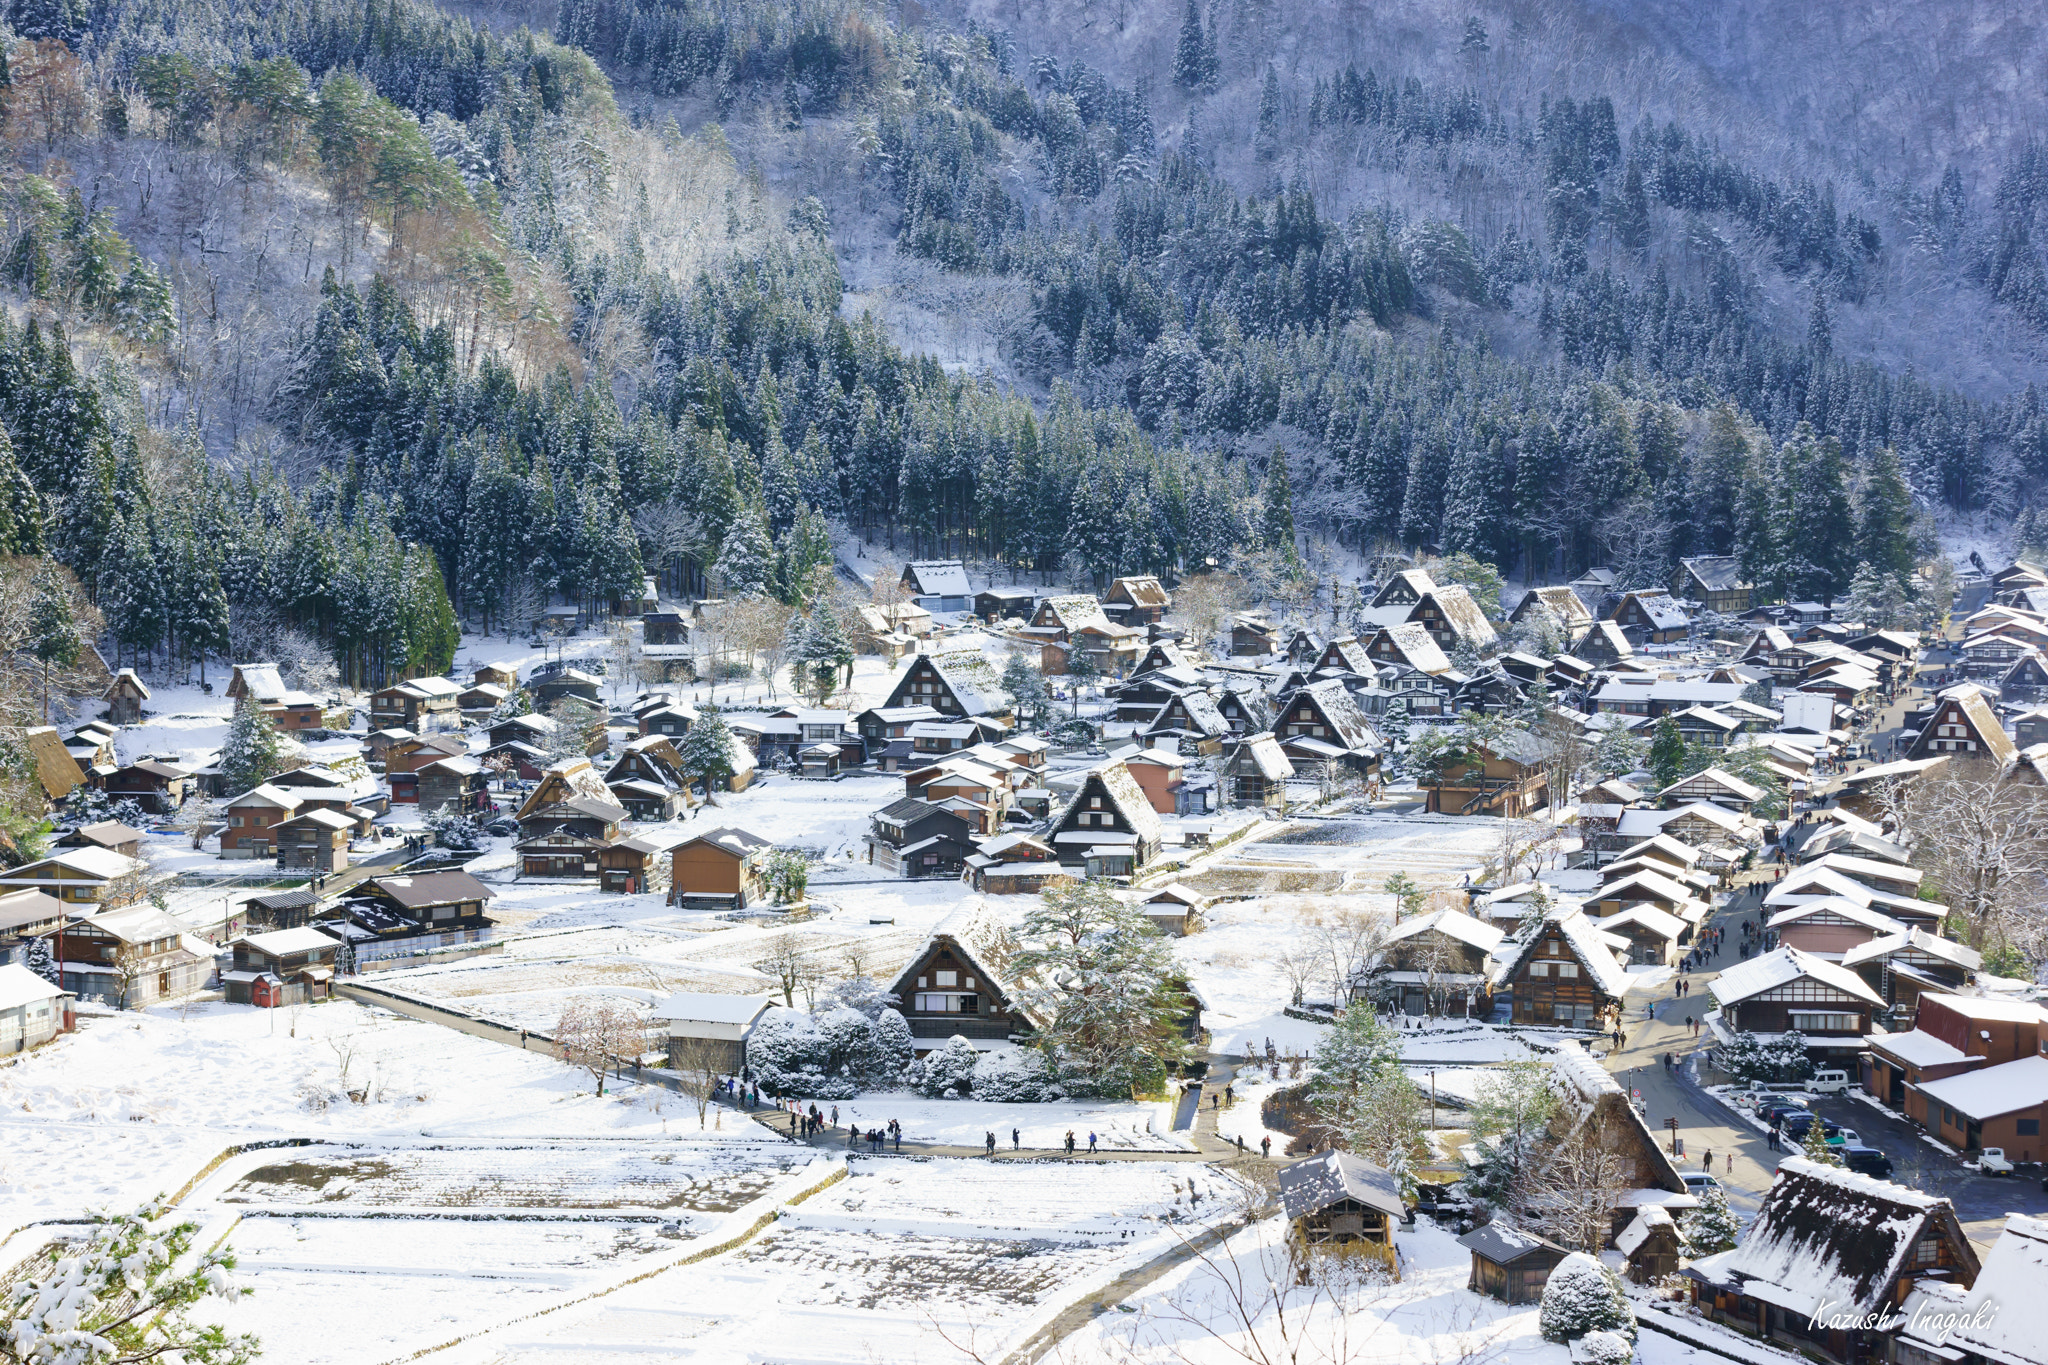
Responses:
[998,974]
[1023,682]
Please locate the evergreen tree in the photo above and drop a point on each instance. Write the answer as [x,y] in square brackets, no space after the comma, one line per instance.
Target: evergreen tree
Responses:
[746,562]
[1884,521]
[1025,686]
[253,751]
[1266,137]
[706,751]
[1817,1149]
[1667,752]
[1187,53]
[21,509]
[1820,331]
[1710,1228]
[52,626]
[1276,509]
[822,656]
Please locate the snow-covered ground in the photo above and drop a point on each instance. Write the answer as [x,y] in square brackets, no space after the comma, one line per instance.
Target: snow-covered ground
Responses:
[963,1123]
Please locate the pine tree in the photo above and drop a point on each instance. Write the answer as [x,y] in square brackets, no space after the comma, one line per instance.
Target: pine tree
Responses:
[823,652]
[1187,54]
[1711,1227]
[1884,523]
[1025,687]
[1276,509]
[706,751]
[746,562]
[1266,137]
[253,752]
[52,626]
[21,509]
[1817,1149]
[1667,752]
[1820,331]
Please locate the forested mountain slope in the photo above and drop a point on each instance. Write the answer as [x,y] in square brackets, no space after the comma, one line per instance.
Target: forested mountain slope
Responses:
[334,325]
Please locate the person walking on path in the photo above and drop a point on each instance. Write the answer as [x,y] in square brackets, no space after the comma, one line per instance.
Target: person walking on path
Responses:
[1230,1096]
[852,1136]
[989,1141]
[1707,1160]
[1016,1140]
[1070,1142]
[835,1116]
[1266,1146]
[896,1130]
[1091,1144]
[1731,1163]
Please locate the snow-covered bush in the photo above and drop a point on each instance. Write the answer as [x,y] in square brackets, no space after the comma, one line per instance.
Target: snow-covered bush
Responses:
[458,832]
[949,1072]
[830,1055]
[1782,1060]
[1021,1077]
[862,993]
[1583,1296]
[1602,1348]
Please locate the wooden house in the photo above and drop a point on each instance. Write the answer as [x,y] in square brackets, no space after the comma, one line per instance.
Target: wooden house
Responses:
[648,780]
[1409,644]
[405,757]
[1173,908]
[1404,589]
[156,786]
[127,958]
[1787,990]
[1652,1244]
[400,916]
[1252,637]
[25,916]
[1715,582]
[1322,723]
[958,683]
[1342,1203]
[316,839]
[1255,772]
[938,584]
[32,1010]
[56,772]
[1190,721]
[110,835]
[479,700]
[664,628]
[1827,1261]
[1653,935]
[944,992]
[1963,723]
[1004,604]
[79,877]
[252,821]
[1076,623]
[260,685]
[1162,776]
[125,698]
[1902,967]
[280,909]
[1829,926]
[549,690]
[1564,610]
[1509,1264]
[1653,617]
[1565,974]
[1452,618]
[1944,1322]
[711,1031]
[459,784]
[1440,963]
[1722,788]
[1014,864]
[282,967]
[501,675]
[630,867]
[916,838]
[1109,827]
[1504,776]
[1139,600]
[719,869]
[2026,681]
[418,705]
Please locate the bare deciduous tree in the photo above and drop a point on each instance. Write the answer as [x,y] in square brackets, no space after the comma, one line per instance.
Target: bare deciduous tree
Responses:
[791,967]
[1571,1190]
[597,1032]
[1981,836]
[701,1065]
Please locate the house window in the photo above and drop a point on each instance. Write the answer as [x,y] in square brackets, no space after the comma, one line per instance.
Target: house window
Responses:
[1927,1251]
[1539,969]
[949,978]
[2027,1127]
[1568,970]
[1809,1022]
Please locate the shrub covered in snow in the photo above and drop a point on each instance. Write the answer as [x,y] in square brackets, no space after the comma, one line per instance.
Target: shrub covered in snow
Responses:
[452,830]
[1021,1077]
[1584,1296]
[1602,1348]
[1783,1060]
[949,1072]
[830,1055]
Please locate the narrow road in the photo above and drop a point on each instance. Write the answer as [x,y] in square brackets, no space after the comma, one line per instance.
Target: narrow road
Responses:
[1660,1025]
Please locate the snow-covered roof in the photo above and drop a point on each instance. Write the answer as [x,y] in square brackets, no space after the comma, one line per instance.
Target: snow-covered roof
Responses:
[1918,1048]
[1665,847]
[284,942]
[1416,646]
[702,1008]
[1989,1007]
[1915,939]
[1995,1090]
[19,986]
[938,577]
[1874,920]
[1988,1317]
[1721,780]
[1454,924]
[975,683]
[1774,969]
[1320,1181]
[1650,917]
[1640,1227]
[1829,1236]
[1648,884]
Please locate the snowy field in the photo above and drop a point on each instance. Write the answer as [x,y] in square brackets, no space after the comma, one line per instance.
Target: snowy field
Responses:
[962,1123]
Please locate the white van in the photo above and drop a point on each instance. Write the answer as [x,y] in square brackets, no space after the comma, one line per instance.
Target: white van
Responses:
[1828,1082]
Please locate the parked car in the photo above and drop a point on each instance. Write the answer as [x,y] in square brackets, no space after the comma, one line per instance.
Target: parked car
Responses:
[1991,1161]
[1776,1111]
[1698,1182]
[1843,1137]
[1832,1082]
[1871,1162]
[1761,1093]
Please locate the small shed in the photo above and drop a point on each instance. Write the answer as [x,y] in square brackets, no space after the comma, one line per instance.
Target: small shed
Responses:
[1509,1264]
[1651,1243]
[630,866]
[125,698]
[820,760]
[1172,909]
[710,1032]
[1342,1203]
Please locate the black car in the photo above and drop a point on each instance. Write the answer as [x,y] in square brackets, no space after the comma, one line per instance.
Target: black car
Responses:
[1774,1115]
[1866,1161]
